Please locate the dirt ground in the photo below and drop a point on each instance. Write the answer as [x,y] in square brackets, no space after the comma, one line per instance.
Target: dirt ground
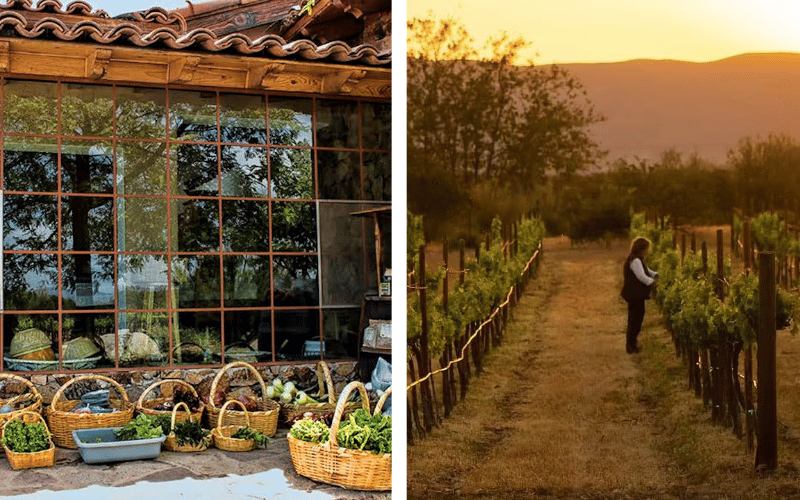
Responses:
[562,411]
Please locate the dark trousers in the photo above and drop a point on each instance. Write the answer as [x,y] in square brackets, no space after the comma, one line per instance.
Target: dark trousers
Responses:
[635,318]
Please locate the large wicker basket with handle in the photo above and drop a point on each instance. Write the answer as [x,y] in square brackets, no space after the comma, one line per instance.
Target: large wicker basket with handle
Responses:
[27,401]
[222,433]
[291,412]
[328,463]
[167,386]
[44,458]
[264,419]
[62,421]
[171,443]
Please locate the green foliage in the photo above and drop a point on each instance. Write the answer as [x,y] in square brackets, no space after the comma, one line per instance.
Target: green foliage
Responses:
[769,233]
[487,283]
[21,437]
[248,433]
[190,432]
[311,431]
[362,431]
[142,427]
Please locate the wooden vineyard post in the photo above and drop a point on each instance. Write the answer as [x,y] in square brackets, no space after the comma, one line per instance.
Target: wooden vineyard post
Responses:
[445,353]
[767,448]
[749,421]
[694,243]
[414,415]
[423,367]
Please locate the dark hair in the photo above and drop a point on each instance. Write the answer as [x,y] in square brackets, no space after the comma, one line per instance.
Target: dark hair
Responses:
[638,247]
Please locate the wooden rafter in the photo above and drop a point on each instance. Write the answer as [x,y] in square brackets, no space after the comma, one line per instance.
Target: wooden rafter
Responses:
[97,63]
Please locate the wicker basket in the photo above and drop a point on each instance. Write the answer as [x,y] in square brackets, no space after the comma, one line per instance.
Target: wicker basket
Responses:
[32,399]
[290,412]
[44,458]
[265,419]
[222,433]
[145,406]
[63,422]
[330,464]
[171,443]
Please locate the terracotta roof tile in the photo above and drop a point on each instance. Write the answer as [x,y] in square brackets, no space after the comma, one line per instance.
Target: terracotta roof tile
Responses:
[157,27]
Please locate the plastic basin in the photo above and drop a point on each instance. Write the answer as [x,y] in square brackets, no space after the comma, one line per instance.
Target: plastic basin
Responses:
[102,446]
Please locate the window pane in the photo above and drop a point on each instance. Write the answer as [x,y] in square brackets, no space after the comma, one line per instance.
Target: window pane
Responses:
[87,167]
[290,121]
[339,175]
[86,109]
[30,164]
[294,226]
[292,173]
[143,339]
[250,328]
[142,282]
[377,125]
[247,281]
[203,329]
[78,328]
[194,167]
[340,331]
[195,282]
[142,224]
[141,113]
[378,176]
[30,107]
[30,282]
[15,323]
[295,281]
[341,254]
[195,226]
[30,222]
[244,172]
[337,124]
[141,168]
[193,115]
[242,119]
[87,223]
[245,226]
[292,330]
[88,281]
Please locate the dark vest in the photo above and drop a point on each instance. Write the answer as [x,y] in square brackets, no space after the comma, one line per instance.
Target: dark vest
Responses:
[633,289]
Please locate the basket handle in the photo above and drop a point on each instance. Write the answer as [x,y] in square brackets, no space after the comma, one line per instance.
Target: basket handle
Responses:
[337,414]
[26,382]
[222,412]
[384,397]
[140,401]
[227,367]
[324,380]
[116,386]
[26,416]
[175,411]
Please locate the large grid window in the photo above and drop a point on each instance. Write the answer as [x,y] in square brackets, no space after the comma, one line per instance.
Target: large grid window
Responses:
[173,226]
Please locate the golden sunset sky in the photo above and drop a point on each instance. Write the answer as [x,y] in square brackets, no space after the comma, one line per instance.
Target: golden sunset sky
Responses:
[570,31]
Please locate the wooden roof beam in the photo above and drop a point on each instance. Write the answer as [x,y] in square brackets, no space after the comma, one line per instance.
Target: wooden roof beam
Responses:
[5,50]
[182,69]
[342,81]
[97,63]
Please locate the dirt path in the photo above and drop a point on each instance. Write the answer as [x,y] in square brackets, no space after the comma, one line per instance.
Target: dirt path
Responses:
[562,411]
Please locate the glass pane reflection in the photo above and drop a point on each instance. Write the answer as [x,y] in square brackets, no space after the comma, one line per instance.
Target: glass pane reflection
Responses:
[294,226]
[30,107]
[295,281]
[195,225]
[242,119]
[142,224]
[378,176]
[30,222]
[292,173]
[143,339]
[195,282]
[87,223]
[141,168]
[193,115]
[196,169]
[340,330]
[337,124]
[377,125]
[290,121]
[245,226]
[142,282]
[292,330]
[87,167]
[141,113]
[339,175]
[244,172]
[88,281]
[247,281]
[30,282]
[30,164]
[86,109]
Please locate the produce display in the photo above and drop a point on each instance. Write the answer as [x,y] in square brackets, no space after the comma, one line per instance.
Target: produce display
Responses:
[288,394]
[141,427]
[180,395]
[248,433]
[189,432]
[21,437]
[360,431]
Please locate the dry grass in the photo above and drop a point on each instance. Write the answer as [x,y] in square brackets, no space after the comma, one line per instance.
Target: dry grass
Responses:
[562,412]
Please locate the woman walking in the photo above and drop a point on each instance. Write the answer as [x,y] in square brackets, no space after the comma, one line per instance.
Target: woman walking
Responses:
[638,282]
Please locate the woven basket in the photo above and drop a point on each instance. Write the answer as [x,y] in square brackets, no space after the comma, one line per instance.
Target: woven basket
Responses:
[330,464]
[32,399]
[171,443]
[145,406]
[62,422]
[265,419]
[222,433]
[44,458]
[290,412]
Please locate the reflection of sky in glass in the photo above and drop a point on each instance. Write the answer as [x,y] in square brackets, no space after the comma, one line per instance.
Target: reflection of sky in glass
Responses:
[138,274]
[98,292]
[246,175]
[39,222]
[290,122]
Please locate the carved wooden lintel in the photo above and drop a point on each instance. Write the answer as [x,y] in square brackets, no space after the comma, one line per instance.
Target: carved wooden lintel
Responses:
[182,69]
[342,82]
[5,49]
[264,76]
[97,63]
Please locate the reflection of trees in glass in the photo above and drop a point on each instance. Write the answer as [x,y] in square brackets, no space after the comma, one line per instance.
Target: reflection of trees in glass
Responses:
[141,168]
[30,107]
[295,280]
[377,125]
[292,173]
[87,223]
[242,119]
[195,226]
[87,167]
[244,172]
[30,282]
[245,226]
[377,176]
[29,222]
[193,115]
[337,124]
[30,165]
[195,281]
[294,226]
[142,224]
[339,175]
[196,168]
[141,113]
[247,281]
[86,110]
[290,122]
[83,276]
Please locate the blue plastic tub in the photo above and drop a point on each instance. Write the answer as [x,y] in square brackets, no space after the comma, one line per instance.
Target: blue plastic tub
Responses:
[101,445]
